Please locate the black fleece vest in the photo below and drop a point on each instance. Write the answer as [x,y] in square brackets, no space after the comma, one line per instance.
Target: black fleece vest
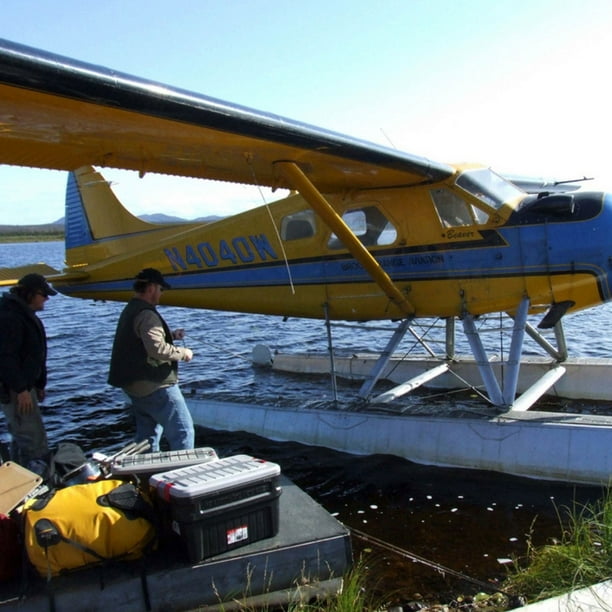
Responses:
[129,359]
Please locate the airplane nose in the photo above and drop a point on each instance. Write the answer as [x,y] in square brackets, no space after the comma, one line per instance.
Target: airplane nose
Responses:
[577,230]
[604,233]
[608,235]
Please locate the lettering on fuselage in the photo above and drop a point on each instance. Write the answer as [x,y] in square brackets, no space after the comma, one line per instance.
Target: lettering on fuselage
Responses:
[351,265]
[398,262]
[426,260]
[392,262]
[238,250]
[457,233]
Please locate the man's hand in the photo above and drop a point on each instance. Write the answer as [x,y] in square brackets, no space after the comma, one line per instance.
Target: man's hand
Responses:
[188,355]
[24,402]
[178,334]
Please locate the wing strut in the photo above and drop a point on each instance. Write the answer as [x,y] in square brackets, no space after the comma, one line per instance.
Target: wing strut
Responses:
[334,221]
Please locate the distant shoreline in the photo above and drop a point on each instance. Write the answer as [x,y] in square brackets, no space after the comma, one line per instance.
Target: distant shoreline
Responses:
[5,238]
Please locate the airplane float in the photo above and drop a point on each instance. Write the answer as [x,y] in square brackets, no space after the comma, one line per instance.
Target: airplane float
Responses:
[366,233]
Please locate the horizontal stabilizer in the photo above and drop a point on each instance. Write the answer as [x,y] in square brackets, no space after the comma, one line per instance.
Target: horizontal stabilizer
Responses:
[10,276]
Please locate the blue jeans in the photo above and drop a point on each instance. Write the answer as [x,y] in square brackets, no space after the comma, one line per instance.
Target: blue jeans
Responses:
[164,411]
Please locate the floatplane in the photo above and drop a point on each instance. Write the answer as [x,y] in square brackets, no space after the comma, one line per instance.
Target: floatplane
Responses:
[366,233]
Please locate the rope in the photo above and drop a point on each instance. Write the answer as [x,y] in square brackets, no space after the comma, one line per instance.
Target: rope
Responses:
[432,564]
[224,350]
[278,237]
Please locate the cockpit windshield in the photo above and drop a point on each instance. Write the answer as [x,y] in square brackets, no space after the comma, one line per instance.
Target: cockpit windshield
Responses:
[488,187]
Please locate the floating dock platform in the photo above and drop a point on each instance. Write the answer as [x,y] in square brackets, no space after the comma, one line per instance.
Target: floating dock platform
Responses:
[307,558]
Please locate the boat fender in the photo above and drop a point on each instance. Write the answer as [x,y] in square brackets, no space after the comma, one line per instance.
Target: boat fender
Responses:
[261,355]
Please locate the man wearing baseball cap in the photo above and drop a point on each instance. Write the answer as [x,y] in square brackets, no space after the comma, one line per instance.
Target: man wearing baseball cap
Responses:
[144,363]
[23,369]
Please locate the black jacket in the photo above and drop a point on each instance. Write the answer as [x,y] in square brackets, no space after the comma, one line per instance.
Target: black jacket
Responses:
[23,346]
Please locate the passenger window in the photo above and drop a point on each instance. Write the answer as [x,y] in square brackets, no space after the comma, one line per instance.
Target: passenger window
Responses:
[299,225]
[370,225]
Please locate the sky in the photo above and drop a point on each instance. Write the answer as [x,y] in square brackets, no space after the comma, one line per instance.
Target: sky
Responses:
[519,85]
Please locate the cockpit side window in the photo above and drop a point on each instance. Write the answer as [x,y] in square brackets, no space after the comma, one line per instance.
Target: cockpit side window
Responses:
[370,225]
[452,210]
[298,225]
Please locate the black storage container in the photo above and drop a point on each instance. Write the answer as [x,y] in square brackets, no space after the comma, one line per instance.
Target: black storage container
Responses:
[221,505]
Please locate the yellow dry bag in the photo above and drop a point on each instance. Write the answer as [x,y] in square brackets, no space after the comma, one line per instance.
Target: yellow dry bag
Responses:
[87,524]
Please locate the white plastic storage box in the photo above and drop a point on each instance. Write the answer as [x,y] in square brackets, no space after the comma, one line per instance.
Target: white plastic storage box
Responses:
[146,464]
[221,505]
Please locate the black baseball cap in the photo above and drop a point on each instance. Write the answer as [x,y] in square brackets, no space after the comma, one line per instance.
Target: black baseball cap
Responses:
[151,275]
[36,282]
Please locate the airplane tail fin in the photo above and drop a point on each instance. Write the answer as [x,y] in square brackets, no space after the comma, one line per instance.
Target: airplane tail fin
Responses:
[99,227]
[94,214]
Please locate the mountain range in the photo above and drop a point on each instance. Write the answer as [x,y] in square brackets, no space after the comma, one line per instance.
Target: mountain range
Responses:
[58,226]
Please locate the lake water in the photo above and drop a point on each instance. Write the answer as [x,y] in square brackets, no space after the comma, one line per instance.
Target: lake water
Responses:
[466,520]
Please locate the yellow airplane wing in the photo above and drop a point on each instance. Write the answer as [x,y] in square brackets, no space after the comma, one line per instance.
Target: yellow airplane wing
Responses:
[60,113]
